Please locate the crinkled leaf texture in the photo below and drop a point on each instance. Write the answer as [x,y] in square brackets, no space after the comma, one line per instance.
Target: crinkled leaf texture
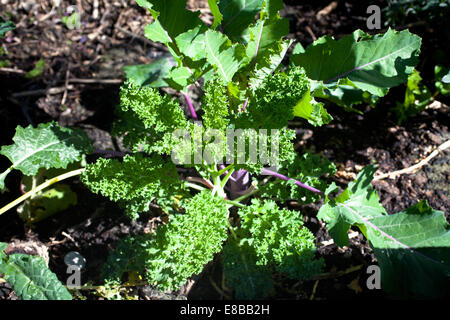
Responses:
[249,280]
[351,69]
[147,119]
[269,237]
[47,146]
[280,98]
[135,181]
[308,168]
[30,277]
[412,247]
[182,247]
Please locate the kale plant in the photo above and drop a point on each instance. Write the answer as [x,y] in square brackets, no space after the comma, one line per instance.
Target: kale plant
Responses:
[222,171]
[248,95]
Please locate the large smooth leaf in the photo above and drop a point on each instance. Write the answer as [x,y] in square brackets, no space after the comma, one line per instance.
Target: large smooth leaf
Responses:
[359,63]
[151,74]
[356,204]
[225,57]
[192,43]
[264,34]
[171,19]
[47,146]
[412,247]
[218,17]
[238,15]
[413,250]
[30,277]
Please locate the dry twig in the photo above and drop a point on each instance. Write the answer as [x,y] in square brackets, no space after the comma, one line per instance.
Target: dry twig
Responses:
[417,166]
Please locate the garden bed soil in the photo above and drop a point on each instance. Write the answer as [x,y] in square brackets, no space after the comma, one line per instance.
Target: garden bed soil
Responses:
[115,38]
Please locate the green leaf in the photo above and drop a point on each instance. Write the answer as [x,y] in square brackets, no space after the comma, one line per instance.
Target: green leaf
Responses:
[417,97]
[37,71]
[271,8]
[135,182]
[371,64]
[31,279]
[413,250]
[182,247]
[308,168]
[192,43]
[3,246]
[249,280]
[268,62]
[412,247]
[215,104]
[47,204]
[356,204]
[442,80]
[279,239]
[238,15]
[218,17]
[264,34]
[47,146]
[171,19]
[311,110]
[280,98]
[225,58]
[5,26]
[156,32]
[178,78]
[151,74]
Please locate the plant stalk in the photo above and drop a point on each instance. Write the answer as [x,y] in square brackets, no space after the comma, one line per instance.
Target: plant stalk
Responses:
[40,188]
[283,177]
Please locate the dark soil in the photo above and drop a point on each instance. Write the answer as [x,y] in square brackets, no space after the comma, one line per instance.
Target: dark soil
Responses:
[100,49]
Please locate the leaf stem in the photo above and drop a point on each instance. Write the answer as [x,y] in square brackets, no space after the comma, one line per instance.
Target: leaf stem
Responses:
[283,177]
[226,178]
[245,196]
[40,188]
[195,186]
[190,105]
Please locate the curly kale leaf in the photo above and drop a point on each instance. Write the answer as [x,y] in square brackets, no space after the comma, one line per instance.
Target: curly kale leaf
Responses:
[182,247]
[308,168]
[148,119]
[215,104]
[279,239]
[253,150]
[126,257]
[134,182]
[248,279]
[278,99]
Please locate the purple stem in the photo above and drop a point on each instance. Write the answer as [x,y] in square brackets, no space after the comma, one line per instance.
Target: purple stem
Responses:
[188,100]
[190,105]
[245,105]
[282,177]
